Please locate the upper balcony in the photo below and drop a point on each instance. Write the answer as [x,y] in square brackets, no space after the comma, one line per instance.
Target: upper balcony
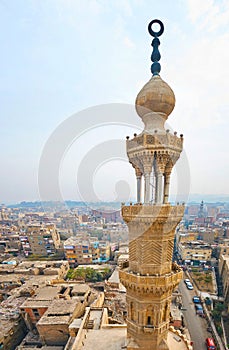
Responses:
[152,212]
[156,141]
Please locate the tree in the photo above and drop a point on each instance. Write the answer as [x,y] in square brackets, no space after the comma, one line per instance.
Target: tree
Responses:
[88,274]
[208,279]
[106,273]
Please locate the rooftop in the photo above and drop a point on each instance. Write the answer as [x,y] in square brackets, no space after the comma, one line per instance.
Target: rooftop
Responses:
[35,304]
[47,292]
[45,320]
[111,339]
[80,288]
[61,307]
[42,298]
[115,339]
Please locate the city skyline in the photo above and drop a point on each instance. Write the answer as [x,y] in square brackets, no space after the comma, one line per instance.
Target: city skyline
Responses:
[60,58]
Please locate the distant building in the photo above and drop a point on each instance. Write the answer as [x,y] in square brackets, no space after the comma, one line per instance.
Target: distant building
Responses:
[197,252]
[43,239]
[107,215]
[78,251]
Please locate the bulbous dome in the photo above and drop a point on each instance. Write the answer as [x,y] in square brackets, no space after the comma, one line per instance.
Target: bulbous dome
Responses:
[156,96]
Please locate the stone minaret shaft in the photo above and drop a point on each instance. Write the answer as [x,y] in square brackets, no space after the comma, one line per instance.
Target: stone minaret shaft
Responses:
[151,275]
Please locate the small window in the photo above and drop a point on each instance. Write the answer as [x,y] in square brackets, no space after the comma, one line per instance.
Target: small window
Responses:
[36,312]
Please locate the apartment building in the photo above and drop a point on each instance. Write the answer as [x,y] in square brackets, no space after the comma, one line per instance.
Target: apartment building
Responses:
[81,251]
[195,251]
[43,239]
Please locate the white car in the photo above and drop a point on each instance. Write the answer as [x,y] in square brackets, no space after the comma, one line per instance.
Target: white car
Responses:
[187,281]
[189,285]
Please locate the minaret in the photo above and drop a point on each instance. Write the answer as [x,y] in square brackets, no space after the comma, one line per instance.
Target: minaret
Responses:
[151,276]
[201,210]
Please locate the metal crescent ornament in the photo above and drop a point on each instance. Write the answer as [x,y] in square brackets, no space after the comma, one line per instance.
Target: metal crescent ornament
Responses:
[152,32]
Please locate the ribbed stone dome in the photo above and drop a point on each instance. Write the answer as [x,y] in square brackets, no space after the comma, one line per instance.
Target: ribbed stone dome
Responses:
[156,96]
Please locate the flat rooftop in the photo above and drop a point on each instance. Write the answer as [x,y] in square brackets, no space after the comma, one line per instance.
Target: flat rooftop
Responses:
[35,304]
[54,320]
[103,339]
[80,288]
[61,307]
[175,342]
[59,312]
[115,339]
[43,297]
[47,292]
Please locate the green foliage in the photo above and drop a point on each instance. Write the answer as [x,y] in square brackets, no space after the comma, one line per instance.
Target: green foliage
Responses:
[106,273]
[220,307]
[219,330]
[88,274]
[35,257]
[197,273]
[208,279]
[217,314]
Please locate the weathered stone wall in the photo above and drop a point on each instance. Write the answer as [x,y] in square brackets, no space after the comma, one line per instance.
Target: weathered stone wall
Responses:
[53,334]
[15,335]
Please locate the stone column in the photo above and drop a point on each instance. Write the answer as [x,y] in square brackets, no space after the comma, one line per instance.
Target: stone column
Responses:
[166,187]
[155,188]
[159,183]
[139,188]
[147,187]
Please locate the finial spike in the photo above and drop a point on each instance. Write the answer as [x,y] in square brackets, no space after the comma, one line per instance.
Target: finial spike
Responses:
[155,57]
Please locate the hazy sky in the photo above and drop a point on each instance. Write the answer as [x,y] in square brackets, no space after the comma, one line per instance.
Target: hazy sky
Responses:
[59,57]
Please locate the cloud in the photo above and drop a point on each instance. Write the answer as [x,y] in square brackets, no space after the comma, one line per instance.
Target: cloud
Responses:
[201,68]
[209,14]
[128,42]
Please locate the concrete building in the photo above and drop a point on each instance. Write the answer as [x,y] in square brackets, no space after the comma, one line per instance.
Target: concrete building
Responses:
[53,327]
[9,240]
[106,215]
[194,251]
[35,307]
[86,251]
[151,276]
[223,247]
[77,251]
[94,330]
[58,268]
[224,273]
[43,239]
[53,307]
[12,330]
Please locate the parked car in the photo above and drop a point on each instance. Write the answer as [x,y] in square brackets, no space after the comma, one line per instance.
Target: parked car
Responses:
[199,310]
[210,344]
[189,285]
[186,281]
[196,300]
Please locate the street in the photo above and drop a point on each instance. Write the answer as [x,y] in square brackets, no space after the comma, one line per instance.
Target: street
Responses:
[196,325]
